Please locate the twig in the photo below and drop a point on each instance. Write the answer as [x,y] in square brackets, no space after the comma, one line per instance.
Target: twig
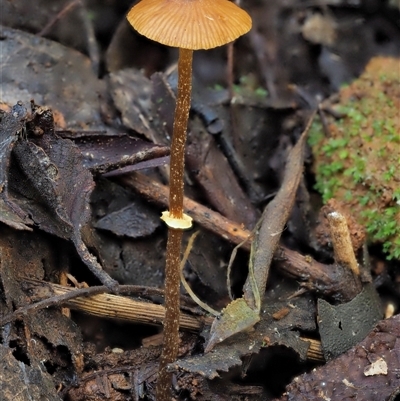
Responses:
[185,283]
[96,301]
[204,216]
[332,280]
[58,16]
[91,42]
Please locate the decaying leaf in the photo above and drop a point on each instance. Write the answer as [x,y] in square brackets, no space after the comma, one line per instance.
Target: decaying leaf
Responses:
[126,257]
[10,125]
[121,212]
[268,332]
[343,326]
[235,318]
[130,222]
[55,188]
[263,247]
[34,17]
[274,219]
[131,92]
[212,171]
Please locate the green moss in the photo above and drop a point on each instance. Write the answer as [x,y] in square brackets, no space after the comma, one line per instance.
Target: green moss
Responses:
[261,92]
[249,88]
[316,134]
[359,163]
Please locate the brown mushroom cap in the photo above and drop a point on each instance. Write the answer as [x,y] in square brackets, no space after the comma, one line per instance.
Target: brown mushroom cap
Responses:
[190,24]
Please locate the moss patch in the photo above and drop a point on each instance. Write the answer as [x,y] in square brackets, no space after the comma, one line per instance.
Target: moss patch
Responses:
[359,163]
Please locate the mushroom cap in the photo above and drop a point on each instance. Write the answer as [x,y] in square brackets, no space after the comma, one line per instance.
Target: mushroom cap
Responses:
[190,24]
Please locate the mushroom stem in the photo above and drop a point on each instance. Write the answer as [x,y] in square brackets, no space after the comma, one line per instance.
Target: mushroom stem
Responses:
[172,312]
[179,134]
[172,268]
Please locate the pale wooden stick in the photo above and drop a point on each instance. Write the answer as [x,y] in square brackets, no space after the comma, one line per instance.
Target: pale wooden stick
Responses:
[314,352]
[341,241]
[123,308]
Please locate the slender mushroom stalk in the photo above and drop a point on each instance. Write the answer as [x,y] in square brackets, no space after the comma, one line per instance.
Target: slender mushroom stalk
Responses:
[179,132]
[189,25]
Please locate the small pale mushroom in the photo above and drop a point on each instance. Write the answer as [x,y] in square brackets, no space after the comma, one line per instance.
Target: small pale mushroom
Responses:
[189,25]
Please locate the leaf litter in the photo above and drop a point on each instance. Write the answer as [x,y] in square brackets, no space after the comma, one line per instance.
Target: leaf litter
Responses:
[46,167]
[36,158]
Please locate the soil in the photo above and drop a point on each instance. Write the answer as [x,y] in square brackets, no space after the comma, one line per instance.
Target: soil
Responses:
[292,127]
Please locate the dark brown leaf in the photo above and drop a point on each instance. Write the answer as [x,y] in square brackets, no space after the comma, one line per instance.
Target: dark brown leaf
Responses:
[54,169]
[33,17]
[131,221]
[56,189]
[211,169]
[122,212]
[131,92]
[105,153]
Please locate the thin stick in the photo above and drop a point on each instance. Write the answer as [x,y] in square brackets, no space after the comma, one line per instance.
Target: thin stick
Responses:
[58,16]
[52,301]
[96,302]
[185,283]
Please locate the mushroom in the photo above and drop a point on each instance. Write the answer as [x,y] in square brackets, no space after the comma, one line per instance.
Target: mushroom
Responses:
[189,25]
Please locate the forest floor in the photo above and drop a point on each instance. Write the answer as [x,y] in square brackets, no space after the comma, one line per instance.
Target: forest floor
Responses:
[293,153]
